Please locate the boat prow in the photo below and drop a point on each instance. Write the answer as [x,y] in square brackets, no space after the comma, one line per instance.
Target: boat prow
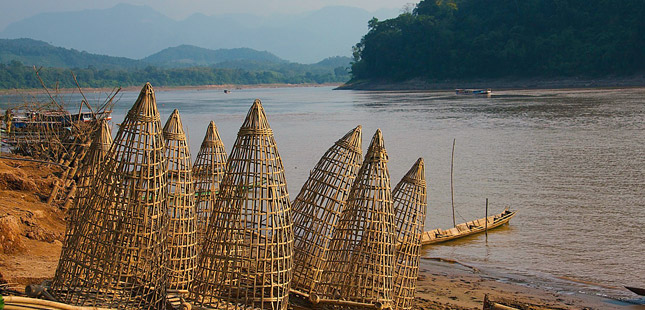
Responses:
[636,290]
[468,228]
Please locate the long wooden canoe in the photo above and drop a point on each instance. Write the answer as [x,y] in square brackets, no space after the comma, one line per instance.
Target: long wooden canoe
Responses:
[466,229]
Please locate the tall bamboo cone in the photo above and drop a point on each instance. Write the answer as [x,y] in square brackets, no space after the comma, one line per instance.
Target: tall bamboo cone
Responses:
[318,205]
[116,257]
[208,172]
[88,169]
[182,235]
[360,260]
[246,258]
[410,203]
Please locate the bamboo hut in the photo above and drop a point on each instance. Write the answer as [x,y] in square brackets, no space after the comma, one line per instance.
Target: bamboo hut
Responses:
[116,258]
[208,172]
[410,203]
[246,258]
[182,235]
[358,272]
[318,205]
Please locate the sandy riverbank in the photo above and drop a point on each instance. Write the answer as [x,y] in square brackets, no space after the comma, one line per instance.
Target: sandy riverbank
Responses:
[497,84]
[31,232]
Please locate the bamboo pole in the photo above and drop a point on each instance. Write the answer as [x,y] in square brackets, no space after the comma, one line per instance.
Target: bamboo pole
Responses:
[452,192]
[486,225]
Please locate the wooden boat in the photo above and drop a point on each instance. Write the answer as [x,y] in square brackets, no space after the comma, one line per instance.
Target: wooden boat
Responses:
[473,92]
[639,291]
[466,229]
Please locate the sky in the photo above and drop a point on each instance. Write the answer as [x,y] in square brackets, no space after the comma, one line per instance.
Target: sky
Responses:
[15,10]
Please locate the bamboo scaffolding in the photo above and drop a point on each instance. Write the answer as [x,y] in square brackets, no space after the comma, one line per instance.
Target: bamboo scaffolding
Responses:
[359,268]
[208,171]
[88,169]
[410,201]
[246,259]
[116,257]
[182,235]
[319,204]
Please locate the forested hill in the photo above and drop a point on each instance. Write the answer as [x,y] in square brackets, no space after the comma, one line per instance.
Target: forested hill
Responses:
[472,39]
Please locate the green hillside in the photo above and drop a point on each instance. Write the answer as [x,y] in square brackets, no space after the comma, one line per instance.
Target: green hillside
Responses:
[462,39]
[192,56]
[39,53]
[181,66]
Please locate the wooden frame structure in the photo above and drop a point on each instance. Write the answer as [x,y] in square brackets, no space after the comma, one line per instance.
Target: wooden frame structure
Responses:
[116,258]
[87,171]
[182,234]
[410,202]
[208,171]
[318,206]
[359,268]
[246,260]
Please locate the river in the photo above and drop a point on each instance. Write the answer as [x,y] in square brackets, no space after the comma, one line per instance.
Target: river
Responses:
[571,161]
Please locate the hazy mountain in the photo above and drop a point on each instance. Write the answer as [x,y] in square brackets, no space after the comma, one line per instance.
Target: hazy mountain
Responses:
[38,53]
[138,31]
[188,56]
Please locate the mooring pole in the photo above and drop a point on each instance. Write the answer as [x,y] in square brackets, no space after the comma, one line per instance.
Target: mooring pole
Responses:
[486,225]
[452,192]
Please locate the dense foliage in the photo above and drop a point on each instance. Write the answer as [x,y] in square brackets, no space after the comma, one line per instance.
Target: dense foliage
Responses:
[17,75]
[448,39]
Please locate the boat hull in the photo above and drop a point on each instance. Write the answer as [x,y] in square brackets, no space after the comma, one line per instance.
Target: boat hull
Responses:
[467,229]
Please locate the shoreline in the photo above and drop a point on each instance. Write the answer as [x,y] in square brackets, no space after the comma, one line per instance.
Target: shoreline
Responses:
[33,232]
[167,88]
[496,84]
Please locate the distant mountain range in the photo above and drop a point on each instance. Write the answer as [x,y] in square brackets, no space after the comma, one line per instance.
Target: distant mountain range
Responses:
[41,54]
[138,31]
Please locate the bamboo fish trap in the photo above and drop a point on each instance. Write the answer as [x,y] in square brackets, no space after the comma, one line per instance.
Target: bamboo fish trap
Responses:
[182,235]
[358,272]
[116,258]
[208,172]
[87,171]
[410,203]
[246,259]
[318,205]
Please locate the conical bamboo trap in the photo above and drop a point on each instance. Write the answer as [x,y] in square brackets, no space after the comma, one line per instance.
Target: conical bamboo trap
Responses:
[116,258]
[358,272]
[410,203]
[208,172]
[182,234]
[318,205]
[87,171]
[246,259]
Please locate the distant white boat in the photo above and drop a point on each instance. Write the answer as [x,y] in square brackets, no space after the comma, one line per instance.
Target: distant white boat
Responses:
[473,92]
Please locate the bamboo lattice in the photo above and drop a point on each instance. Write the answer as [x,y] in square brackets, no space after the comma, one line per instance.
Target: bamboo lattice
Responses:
[88,169]
[360,261]
[116,258]
[208,171]
[410,203]
[318,205]
[182,234]
[246,259]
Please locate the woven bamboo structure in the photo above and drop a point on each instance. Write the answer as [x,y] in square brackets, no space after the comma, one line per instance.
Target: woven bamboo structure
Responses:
[182,234]
[359,268]
[410,202]
[246,259]
[208,171]
[87,171]
[116,258]
[318,205]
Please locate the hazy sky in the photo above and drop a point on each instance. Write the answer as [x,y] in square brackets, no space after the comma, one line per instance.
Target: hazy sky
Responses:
[14,10]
